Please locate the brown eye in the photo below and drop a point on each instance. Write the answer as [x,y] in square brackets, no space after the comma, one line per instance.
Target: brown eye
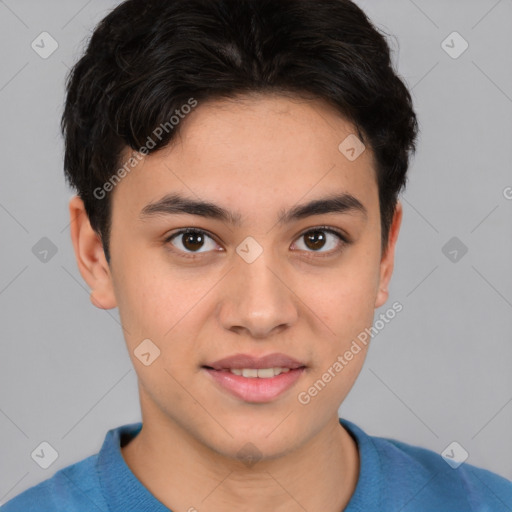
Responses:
[191,241]
[317,239]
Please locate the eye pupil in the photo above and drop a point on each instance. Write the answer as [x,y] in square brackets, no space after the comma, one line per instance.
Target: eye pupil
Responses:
[193,241]
[317,238]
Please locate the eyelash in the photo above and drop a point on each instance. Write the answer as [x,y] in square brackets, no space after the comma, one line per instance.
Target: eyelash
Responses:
[344,241]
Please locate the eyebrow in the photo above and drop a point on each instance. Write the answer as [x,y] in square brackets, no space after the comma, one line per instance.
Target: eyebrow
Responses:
[175,204]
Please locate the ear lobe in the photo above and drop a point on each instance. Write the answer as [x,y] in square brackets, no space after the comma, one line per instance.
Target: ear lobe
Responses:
[388,258]
[90,256]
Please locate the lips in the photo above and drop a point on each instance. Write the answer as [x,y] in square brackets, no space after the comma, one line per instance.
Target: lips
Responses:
[251,388]
[240,361]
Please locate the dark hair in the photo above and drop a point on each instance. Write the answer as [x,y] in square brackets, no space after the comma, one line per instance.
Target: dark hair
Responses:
[148,58]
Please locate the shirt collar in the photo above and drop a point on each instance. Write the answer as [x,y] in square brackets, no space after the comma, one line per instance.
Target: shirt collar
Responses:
[368,492]
[121,488]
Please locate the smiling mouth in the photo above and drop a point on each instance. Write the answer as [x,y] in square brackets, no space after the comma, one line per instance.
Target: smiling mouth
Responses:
[255,373]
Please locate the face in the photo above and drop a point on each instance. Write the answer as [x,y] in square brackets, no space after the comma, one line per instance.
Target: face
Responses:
[283,259]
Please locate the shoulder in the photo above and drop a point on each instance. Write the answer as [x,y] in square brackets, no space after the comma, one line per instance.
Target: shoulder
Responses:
[74,488]
[413,478]
[399,456]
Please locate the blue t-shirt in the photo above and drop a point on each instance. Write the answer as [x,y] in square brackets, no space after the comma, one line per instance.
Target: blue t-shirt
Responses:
[394,476]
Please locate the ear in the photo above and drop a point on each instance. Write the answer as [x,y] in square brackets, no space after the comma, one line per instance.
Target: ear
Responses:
[90,256]
[388,258]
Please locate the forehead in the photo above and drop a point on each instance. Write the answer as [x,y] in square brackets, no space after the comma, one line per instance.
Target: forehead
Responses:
[287,127]
[256,152]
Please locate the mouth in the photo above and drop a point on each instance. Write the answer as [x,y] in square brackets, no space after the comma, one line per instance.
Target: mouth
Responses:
[255,373]
[254,379]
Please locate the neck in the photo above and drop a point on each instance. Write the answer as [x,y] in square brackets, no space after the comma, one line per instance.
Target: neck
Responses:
[183,474]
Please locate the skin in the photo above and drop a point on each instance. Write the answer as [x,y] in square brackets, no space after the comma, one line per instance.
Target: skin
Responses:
[255,156]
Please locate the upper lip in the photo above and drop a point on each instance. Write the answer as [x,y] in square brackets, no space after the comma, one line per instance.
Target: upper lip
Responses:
[275,360]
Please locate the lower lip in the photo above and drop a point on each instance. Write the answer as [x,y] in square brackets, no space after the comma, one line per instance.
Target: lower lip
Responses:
[255,389]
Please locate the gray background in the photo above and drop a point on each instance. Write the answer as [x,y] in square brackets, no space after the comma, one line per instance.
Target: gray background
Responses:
[439,372]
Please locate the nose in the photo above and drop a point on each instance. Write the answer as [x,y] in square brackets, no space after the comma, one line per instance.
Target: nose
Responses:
[257,299]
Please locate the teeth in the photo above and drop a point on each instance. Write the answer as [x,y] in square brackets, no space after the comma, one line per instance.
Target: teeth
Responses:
[266,373]
[263,373]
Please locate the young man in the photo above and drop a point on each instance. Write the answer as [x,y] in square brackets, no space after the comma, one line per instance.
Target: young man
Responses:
[238,164]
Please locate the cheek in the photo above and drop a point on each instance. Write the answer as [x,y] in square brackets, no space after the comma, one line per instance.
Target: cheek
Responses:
[344,302]
[344,298]
[341,347]
[148,304]
[167,307]
[349,315]
[160,309]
